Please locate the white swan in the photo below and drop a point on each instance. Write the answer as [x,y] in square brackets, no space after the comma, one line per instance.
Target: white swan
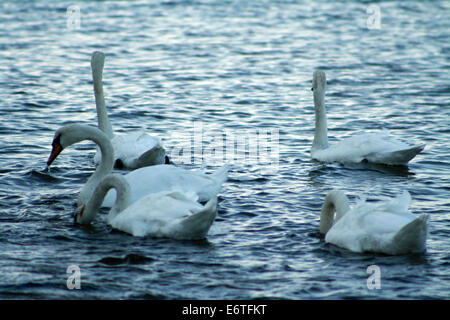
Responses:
[169,214]
[132,150]
[384,227]
[142,181]
[377,147]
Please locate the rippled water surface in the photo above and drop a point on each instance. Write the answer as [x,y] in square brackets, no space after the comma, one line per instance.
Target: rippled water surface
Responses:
[226,66]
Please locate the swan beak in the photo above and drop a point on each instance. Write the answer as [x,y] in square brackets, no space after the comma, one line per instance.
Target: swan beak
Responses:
[78,214]
[56,150]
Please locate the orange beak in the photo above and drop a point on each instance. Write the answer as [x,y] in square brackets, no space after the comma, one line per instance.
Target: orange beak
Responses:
[56,150]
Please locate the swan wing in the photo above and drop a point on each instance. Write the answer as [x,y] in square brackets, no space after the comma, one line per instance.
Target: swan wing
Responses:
[396,157]
[136,150]
[163,214]
[378,147]
[159,178]
[373,226]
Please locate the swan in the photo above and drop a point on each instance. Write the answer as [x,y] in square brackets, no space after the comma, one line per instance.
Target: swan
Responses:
[378,147]
[385,227]
[142,181]
[169,214]
[132,150]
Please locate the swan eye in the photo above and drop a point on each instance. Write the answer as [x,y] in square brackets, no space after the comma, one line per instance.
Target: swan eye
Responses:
[312,88]
[119,164]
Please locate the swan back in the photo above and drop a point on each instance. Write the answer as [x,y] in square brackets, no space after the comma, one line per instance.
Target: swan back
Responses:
[168,177]
[374,147]
[172,214]
[385,227]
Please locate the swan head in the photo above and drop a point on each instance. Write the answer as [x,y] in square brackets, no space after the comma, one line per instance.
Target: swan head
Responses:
[56,150]
[64,137]
[319,82]
[335,206]
[97,61]
[79,214]
[73,133]
[82,215]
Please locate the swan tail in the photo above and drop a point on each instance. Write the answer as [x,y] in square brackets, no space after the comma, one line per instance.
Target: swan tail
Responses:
[197,225]
[412,236]
[214,184]
[154,156]
[221,174]
[399,157]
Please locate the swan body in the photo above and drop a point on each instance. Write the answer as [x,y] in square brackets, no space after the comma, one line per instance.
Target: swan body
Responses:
[170,214]
[135,150]
[165,177]
[385,227]
[142,181]
[378,147]
[132,150]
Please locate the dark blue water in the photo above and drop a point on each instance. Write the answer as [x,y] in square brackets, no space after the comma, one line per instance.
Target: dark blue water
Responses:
[229,66]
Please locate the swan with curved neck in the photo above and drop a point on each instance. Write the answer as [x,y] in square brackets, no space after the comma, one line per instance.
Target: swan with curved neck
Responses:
[132,150]
[385,227]
[170,214]
[379,147]
[335,206]
[142,181]
[74,133]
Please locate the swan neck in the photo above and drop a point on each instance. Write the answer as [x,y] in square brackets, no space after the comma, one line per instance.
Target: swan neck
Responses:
[106,164]
[111,181]
[335,206]
[102,114]
[321,132]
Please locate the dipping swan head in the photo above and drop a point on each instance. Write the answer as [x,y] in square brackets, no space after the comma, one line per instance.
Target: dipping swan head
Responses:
[335,206]
[56,150]
[79,213]
[73,133]
[86,212]
[386,227]
[64,137]
[172,214]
